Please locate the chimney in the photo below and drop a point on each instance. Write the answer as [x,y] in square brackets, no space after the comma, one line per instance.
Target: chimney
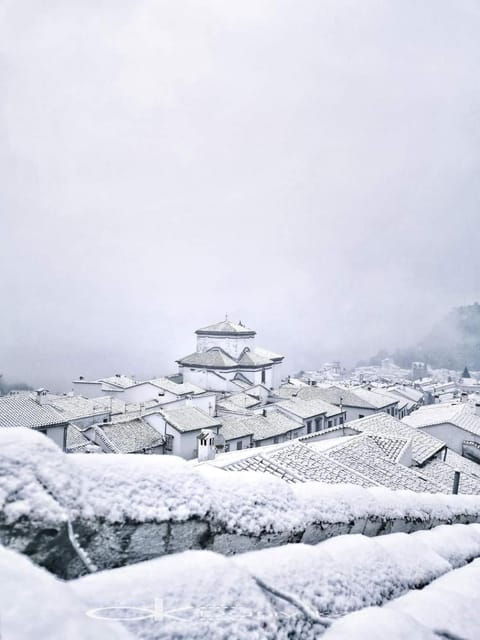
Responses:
[206,445]
[40,396]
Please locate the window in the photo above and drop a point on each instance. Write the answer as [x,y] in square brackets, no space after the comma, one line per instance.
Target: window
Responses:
[360,415]
[275,440]
[335,422]
[329,424]
[239,445]
[309,426]
[318,424]
[341,419]
[263,375]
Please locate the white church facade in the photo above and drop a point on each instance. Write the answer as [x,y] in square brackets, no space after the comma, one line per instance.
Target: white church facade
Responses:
[228,360]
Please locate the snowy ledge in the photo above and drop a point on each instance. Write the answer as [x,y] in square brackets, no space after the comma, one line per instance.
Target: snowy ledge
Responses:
[126,509]
[301,592]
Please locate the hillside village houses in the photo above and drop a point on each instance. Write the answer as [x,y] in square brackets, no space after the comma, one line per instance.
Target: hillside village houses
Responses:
[228,404]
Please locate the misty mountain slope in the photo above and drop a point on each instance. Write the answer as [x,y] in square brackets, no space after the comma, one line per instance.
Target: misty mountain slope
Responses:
[452,343]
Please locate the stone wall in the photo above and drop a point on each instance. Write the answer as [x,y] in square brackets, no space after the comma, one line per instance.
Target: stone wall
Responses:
[110,545]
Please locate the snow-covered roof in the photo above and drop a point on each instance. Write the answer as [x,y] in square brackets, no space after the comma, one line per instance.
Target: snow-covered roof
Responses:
[408,392]
[76,441]
[308,464]
[131,435]
[233,427]
[392,447]
[110,404]
[459,414]
[119,380]
[267,354]
[359,460]
[462,464]
[374,397]
[424,446]
[190,419]
[274,423]
[226,327]
[349,396]
[252,358]
[24,411]
[73,407]
[215,357]
[308,408]
[178,389]
[364,456]
[238,402]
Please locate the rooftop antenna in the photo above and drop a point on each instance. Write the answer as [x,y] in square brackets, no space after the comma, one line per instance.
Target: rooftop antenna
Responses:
[226,316]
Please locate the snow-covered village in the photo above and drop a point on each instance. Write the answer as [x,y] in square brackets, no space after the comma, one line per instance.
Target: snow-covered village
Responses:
[240,320]
[247,505]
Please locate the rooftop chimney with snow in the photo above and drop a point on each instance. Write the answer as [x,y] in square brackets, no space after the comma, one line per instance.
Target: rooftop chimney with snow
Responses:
[206,445]
[41,393]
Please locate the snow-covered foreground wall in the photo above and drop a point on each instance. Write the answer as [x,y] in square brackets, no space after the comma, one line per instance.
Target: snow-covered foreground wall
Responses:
[126,509]
[296,591]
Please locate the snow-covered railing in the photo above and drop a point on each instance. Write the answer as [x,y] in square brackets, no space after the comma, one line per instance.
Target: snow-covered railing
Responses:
[125,509]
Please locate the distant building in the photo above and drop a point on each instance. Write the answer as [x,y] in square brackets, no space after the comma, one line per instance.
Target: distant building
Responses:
[162,391]
[228,360]
[181,428]
[352,402]
[241,432]
[419,370]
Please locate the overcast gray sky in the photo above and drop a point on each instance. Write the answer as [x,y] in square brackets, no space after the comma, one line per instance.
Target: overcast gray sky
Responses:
[310,166]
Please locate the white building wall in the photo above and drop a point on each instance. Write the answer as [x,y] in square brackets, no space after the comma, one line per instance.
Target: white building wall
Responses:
[354,413]
[184,444]
[283,438]
[89,420]
[246,443]
[233,346]
[57,434]
[145,391]
[452,435]
[87,389]
[205,379]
